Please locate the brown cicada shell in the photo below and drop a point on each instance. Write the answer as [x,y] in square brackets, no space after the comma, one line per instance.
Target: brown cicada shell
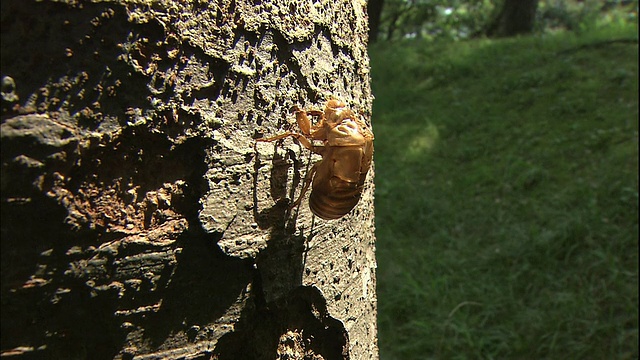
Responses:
[347,150]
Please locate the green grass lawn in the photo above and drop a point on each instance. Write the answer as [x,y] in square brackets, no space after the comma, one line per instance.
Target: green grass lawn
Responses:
[507,197]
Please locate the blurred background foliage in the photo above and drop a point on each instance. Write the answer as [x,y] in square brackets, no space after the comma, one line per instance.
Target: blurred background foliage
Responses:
[463,19]
[506,179]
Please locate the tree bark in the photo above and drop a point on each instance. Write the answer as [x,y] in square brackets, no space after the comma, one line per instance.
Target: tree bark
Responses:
[140,219]
[516,17]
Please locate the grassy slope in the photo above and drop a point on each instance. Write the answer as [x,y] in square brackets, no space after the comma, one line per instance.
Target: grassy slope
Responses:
[507,198]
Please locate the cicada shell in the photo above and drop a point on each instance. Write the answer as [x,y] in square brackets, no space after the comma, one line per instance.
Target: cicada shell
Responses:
[347,151]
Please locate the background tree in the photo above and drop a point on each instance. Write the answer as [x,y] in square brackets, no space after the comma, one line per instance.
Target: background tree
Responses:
[374,10]
[514,18]
[140,218]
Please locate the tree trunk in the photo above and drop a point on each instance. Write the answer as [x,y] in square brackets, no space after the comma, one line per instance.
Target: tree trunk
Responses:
[374,10]
[140,219]
[516,17]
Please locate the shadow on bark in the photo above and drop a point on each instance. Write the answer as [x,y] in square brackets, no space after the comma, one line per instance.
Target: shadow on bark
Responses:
[61,319]
[294,327]
[205,284]
[70,291]
[70,56]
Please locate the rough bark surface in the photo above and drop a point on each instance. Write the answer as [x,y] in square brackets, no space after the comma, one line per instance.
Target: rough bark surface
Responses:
[140,220]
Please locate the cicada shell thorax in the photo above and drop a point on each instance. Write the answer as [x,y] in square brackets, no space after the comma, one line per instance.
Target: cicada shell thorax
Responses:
[335,112]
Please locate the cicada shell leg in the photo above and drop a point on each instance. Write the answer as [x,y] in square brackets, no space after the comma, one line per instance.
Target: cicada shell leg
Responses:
[306,126]
[307,183]
[301,138]
[304,123]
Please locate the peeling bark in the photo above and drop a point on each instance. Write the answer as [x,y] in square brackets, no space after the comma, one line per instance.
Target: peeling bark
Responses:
[140,220]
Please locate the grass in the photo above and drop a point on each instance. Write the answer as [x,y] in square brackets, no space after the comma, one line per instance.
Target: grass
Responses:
[507,197]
